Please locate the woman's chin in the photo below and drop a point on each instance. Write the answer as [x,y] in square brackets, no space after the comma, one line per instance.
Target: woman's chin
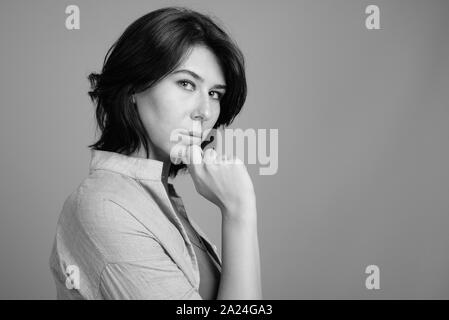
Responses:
[177,154]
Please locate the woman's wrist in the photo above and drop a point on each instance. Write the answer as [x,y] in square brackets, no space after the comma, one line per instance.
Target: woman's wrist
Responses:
[240,212]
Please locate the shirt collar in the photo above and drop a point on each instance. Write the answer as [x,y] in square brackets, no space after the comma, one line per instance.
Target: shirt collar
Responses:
[136,168]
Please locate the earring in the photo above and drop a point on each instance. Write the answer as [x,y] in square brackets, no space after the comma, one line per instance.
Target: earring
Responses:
[133,99]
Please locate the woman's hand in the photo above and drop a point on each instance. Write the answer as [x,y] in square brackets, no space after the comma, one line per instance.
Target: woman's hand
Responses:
[222,180]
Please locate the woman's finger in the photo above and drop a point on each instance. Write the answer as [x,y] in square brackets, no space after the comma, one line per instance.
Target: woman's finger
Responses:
[177,153]
[210,156]
[183,136]
[189,140]
[194,156]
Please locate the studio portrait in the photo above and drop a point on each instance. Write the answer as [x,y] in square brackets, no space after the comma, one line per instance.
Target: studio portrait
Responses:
[239,150]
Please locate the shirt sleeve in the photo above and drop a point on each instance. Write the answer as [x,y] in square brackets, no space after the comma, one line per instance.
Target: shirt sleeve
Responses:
[146,280]
[138,266]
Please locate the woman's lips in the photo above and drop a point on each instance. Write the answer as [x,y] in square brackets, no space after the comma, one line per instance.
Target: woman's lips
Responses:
[195,134]
[197,129]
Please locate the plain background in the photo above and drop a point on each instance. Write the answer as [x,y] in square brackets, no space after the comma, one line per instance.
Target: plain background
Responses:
[363,139]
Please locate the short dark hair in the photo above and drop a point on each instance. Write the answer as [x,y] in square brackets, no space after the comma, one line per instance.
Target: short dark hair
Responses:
[149,49]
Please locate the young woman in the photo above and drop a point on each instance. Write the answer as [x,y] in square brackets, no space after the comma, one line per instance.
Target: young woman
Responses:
[124,233]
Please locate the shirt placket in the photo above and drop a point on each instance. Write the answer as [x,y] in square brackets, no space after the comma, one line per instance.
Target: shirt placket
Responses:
[208,244]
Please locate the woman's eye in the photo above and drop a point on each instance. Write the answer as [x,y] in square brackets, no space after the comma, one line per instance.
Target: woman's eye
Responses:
[218,95]
[186,84]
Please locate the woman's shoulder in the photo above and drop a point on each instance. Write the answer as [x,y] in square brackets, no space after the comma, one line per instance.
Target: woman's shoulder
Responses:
[105,185]
[107,222]
[87,200]
[103,199]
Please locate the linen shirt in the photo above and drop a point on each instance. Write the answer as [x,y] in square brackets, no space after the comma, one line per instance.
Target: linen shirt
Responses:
[120,236]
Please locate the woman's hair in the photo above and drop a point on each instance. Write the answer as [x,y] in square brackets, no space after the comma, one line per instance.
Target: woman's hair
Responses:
[149,49]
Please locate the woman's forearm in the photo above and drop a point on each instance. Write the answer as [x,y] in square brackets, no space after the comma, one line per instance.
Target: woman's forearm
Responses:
[240,277]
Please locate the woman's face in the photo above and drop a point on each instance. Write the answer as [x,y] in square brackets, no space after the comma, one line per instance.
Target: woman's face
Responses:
[185,98]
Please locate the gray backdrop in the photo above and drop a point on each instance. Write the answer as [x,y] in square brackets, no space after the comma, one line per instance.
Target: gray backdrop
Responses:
[363,139]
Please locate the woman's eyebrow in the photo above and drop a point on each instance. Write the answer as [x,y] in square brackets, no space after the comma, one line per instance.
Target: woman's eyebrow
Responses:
[198,77]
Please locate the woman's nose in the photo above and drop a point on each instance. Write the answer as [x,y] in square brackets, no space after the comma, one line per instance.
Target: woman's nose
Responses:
[203,109]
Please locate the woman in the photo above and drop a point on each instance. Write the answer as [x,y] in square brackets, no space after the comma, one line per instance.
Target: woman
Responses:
[124,233]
